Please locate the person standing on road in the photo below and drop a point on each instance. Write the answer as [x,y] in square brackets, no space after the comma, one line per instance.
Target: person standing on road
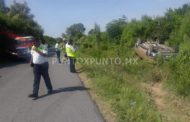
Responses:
[40,67]
[58,52]
[70,51]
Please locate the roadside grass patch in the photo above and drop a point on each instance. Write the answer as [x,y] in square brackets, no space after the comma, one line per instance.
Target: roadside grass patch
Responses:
[130,103]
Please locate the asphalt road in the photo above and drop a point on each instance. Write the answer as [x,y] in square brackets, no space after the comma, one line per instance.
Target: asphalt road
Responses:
[69,103]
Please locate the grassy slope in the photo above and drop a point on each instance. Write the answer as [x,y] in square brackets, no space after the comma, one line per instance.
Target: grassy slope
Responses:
[118,84]
[133,92]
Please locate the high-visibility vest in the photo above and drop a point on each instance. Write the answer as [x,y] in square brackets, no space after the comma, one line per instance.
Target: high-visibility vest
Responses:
[70,52]
[42,48]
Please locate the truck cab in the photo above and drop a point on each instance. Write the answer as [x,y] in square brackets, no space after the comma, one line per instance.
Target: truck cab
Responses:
[23,46]
[12,44]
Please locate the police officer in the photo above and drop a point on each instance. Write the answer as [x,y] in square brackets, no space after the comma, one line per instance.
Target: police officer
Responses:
[70,51]
[40,68]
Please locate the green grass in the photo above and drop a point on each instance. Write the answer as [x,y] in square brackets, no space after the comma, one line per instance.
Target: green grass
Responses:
[119,85]
[130,103]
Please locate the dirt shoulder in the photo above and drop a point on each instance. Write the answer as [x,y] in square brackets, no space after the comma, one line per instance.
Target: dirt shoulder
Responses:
[172,108]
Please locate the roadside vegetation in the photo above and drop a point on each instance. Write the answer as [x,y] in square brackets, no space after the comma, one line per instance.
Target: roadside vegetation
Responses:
[141,91]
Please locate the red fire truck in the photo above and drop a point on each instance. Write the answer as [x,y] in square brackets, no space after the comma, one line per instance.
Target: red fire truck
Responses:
[13,44]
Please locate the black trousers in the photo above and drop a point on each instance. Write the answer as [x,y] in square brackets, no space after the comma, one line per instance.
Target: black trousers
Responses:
[41,70]
[58,55]
[72,64]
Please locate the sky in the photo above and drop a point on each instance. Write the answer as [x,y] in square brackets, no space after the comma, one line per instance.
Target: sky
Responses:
[55,16]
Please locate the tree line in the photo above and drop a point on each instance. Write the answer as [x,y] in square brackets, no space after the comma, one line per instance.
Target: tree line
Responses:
[171,29]
[18,19]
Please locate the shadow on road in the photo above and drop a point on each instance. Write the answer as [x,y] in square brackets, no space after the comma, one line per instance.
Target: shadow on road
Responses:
[9,60]
[67,89]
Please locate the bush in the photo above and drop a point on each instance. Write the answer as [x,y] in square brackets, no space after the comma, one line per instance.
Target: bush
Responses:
[179,65]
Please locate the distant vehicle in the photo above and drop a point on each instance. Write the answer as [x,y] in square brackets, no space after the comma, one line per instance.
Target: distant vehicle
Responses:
[13,44]
[51,51]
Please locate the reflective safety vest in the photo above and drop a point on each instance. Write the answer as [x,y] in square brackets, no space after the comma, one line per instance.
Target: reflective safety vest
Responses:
[70,52]
[42,48]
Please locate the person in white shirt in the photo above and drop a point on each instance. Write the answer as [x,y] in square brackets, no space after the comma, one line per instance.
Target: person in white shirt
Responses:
[40,67]
[57,52]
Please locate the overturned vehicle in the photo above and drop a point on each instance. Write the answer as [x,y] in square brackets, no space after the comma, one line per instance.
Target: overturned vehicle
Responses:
[149,50]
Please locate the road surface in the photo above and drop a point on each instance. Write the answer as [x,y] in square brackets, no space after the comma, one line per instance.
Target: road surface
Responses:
[69,103]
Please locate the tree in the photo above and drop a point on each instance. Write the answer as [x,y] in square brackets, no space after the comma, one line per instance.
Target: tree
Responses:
[64,36]
[131,32]
[20,21]
[59,39]
[20,10]
[179,35]
[91,32]
[2,6]
[97,34]
[75,31]
[50,40]
[115,28]
[148,27]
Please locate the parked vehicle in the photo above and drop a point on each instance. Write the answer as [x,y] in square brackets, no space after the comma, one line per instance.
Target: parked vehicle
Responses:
[13,44]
